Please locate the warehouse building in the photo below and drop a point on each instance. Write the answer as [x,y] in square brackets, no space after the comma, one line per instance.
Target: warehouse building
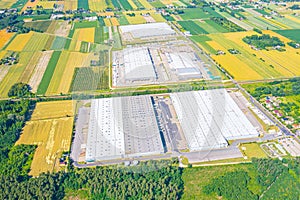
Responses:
[147,30]
[122,127]
[138,64]
[185,64]
[209,118]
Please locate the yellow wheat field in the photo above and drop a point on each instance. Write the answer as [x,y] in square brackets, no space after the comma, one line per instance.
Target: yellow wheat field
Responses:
[97,5]
[105,14]
[19,42]
[137,19]
[70,4]
[6,3]
[4,37]
[265,63]
[107,22]
[157,16]
[50,128]
[238,69]
[86,34]
[114,21]
[75,60]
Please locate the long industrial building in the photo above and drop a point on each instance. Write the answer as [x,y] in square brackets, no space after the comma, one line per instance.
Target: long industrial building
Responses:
[147,30]
[209,118]
[122,127]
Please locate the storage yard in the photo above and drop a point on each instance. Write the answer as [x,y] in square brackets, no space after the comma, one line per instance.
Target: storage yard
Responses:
[130,127]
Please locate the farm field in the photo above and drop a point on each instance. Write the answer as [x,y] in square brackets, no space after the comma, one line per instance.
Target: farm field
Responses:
[14,73]
[6,3]
[20,42]
[251,64]
[83,4]
[125,4]
[75,60]
[70,4]
[58,73]
[290,34]
[39,25]
[97,5]
[39,70]
[192,27]
[137,19]
[45,81]
[37,42]
[50,128]
[4,37]
[146,4]
[86,34]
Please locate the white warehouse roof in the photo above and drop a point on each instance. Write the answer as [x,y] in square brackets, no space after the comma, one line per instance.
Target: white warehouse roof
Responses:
[122,127]
[147,30]
[209,118]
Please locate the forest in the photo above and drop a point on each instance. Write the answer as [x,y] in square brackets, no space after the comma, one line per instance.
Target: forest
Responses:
[276,180]
[263,41]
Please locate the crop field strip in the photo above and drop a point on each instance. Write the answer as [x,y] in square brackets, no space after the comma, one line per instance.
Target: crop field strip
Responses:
[14,73]
[30,67]
[37,42]
[97,5]
[39,70]
[51,129]
[75,60]
[125,5]
[58,73]
[43,86]
[58,43]
[39,25]
[192,27]
[19,42]
[83,4]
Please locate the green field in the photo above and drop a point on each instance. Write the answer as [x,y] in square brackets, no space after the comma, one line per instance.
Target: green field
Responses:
[214,27]
[40,25]
[89,79]
[125,4]
[192,27]
[84,47]
[116,4]
[138,4]
[291,34]
[48,73]
[99,35]
[83,4]
[58,43]
[157,4]
[19,4]
[202,39]
[263,12]
[198,13]
[123,20]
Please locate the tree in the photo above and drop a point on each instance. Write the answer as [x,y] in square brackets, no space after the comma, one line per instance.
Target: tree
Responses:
[19,90]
